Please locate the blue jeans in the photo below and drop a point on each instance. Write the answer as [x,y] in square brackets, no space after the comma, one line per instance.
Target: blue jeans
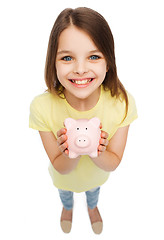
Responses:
[91,195]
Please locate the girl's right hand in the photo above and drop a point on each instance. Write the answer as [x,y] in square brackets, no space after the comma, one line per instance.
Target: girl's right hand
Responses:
[61,140]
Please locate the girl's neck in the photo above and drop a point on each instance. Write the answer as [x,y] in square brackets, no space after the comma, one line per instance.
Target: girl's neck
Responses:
[83,104]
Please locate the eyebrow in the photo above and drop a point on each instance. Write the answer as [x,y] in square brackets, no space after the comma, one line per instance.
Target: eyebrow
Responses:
[63,52]
[70,52]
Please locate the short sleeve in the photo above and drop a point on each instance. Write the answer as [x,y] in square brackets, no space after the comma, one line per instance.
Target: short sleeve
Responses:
[37,118]
[132,112]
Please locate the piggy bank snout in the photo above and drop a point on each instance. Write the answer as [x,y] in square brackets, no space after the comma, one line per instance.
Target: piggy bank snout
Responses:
[82,141]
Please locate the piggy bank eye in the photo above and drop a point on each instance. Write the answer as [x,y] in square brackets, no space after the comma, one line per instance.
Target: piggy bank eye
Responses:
[86,128]
[77,128]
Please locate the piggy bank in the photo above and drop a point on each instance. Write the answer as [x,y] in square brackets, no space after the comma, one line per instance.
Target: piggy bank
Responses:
[83,136]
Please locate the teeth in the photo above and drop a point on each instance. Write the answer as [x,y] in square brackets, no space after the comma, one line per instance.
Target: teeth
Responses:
[81,81]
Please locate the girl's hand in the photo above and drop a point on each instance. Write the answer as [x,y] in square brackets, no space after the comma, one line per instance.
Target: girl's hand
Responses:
[61,140]
[103,141]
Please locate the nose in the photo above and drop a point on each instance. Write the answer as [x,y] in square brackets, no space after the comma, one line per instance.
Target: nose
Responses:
[80,67]
[82,141]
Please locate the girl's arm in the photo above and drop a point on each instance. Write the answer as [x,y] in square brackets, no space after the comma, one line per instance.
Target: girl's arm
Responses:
[56,150]
[111,152]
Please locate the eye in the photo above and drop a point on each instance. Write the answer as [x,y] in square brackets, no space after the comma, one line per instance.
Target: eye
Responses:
[86,128]
[67,58]
[77,128]
[94,57]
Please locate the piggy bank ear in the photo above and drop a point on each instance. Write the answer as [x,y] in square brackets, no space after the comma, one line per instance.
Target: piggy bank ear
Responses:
[69,122]
[95,121]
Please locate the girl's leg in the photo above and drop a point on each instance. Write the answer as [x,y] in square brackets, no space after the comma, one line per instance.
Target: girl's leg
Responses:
[66,216]
[92,197]
[66,198]
[95,217]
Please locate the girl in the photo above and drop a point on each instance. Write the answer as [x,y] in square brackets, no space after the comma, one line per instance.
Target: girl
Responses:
[82,82]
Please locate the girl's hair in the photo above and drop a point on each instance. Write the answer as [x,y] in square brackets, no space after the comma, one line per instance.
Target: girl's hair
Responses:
[98,29]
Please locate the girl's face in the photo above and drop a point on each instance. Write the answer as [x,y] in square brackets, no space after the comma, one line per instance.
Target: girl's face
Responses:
[81,67]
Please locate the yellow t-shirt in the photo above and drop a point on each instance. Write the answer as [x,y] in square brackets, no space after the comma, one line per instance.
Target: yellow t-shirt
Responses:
[48,112]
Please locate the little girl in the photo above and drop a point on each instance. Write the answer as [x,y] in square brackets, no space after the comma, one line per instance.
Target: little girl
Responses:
[82,82]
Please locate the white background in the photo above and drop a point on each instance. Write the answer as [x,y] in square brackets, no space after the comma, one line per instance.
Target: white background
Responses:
[131,202]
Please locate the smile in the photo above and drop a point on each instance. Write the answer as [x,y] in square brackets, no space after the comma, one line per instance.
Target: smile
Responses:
[81,81]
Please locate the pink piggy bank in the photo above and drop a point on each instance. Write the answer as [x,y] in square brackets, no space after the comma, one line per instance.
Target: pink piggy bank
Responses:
[83,136]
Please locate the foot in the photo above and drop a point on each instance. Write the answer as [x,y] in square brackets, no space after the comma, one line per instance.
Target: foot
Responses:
[66,220]
[66,215]
[96,220]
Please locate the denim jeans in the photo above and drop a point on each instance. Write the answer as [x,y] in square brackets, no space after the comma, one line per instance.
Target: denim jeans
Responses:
[91,195]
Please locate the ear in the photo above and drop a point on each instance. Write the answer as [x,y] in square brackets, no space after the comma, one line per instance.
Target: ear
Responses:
[95,121]
[69,122]
[107,68]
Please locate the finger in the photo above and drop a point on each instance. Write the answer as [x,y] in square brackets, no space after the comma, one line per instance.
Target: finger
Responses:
[104,141]
[63,147]
[104,134]
[66,152]
[101,148]
[61,132]
[99,153]
[62,139]
[100,125]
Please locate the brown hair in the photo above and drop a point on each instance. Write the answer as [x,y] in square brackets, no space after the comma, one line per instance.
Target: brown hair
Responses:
[98,29]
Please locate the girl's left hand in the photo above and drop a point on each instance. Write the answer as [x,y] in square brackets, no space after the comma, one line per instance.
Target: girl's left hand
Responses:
[103,141]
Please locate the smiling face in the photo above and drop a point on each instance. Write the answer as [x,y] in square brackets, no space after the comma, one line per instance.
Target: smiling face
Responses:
[80,66]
